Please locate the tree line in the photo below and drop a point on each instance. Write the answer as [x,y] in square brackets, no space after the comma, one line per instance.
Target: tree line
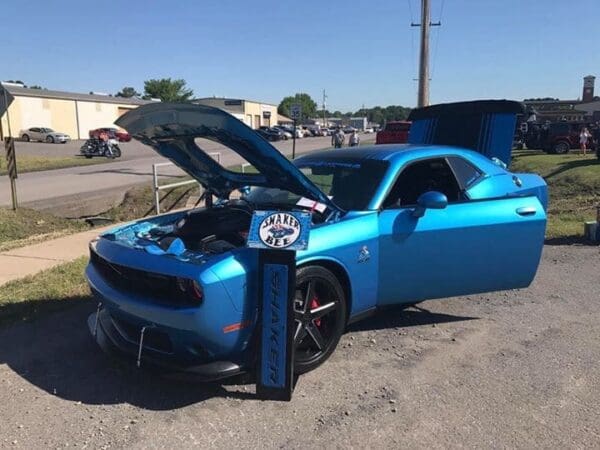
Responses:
[309,107]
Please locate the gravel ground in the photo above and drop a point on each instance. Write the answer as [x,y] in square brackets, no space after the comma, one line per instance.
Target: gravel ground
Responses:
[508,369]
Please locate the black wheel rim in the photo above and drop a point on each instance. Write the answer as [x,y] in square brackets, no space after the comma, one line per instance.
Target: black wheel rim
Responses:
[316,315]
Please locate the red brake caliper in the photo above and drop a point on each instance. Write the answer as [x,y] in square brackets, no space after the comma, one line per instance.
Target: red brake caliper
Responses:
[314,303]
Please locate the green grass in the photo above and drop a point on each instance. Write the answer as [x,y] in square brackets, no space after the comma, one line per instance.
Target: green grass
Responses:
[139,202]
[48,291]
[27,163]
[574,188]
[26,226]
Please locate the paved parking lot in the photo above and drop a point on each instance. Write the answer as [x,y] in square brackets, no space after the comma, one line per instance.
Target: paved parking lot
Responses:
[135,150]
[515,369]
[131,150]
[98,187]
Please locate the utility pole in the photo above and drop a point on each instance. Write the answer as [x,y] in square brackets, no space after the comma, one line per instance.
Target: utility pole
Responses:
[324,100]
[423,96]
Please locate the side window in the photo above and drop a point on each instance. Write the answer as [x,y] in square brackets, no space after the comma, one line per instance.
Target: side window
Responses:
[465,172]
[420,177]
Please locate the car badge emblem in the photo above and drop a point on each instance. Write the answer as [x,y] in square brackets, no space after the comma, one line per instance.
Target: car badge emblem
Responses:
[363,254]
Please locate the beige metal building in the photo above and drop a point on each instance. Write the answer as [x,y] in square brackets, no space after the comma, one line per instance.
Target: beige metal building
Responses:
[67,112]
[254,114]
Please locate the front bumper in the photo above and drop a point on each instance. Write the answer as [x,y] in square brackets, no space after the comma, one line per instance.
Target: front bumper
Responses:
[112,341]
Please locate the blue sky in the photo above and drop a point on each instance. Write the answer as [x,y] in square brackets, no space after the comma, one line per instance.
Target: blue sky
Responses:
[361,52]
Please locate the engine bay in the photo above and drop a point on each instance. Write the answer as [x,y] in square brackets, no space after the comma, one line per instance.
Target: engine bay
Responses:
[193,234]
[213,230]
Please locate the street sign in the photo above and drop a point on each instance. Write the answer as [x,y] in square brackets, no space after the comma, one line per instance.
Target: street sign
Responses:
[295,111]
[5,100]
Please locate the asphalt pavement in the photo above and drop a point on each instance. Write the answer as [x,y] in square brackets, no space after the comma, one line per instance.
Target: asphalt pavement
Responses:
[131,150]
[87,190]
[511,369]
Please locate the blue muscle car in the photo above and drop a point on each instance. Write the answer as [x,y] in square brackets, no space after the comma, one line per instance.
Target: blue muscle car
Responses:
[397,224]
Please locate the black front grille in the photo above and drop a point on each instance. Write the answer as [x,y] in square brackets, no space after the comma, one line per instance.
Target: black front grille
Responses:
[158,288]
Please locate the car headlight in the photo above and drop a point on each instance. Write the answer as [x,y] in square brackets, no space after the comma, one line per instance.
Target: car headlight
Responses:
[191,288]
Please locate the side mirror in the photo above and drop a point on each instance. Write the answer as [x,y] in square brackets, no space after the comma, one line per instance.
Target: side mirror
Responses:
[430,200]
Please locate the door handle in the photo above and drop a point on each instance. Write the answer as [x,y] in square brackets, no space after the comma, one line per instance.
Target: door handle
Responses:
[526,211]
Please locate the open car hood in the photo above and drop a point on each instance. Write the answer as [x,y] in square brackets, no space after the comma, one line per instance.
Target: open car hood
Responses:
[170,129]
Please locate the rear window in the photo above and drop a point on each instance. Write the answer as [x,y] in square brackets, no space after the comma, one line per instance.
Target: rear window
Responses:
[465,172]
[397,127]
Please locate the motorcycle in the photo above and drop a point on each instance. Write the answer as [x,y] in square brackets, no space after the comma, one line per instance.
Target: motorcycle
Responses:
[96,147]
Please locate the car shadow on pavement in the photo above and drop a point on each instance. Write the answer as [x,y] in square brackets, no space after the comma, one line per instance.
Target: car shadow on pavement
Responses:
[403,316]
[57,354]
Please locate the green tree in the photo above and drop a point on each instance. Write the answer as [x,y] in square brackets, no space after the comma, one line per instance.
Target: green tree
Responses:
[308,105]
[168,90]
[127,92]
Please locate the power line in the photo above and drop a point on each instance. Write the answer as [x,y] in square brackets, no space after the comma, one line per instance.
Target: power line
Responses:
[437,38]
[412,42]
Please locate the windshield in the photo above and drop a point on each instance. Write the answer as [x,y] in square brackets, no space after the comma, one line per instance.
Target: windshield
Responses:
[351,185]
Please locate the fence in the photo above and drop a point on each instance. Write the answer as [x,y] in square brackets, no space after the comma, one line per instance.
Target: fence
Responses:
[158,187]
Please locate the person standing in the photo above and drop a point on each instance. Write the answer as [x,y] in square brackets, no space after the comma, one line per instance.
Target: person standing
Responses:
[338,138]
[584,136]
[354,139]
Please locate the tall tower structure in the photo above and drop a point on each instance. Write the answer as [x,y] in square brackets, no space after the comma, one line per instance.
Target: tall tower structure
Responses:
[588,89]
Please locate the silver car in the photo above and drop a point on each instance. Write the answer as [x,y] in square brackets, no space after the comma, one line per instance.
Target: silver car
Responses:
[44,135]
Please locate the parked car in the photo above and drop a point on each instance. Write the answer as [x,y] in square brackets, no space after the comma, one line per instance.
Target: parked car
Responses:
[369,130]
[44,135]
[287,134]
[396,226]
[393,133]
[556,137]
[120,135]
[269,134]
[308,132]
[349,130]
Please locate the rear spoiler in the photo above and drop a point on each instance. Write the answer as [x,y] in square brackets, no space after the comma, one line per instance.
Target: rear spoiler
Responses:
[486,126]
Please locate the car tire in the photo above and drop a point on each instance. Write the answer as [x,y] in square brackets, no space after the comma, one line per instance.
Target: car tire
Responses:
[561,148]
[25,137]
[317,331]
[88,156]
[50,140]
